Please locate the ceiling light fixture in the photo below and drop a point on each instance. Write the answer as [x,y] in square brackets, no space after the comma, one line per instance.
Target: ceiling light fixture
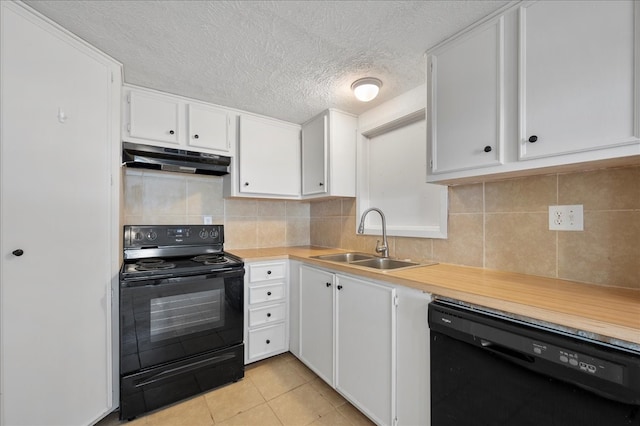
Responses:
[366,89]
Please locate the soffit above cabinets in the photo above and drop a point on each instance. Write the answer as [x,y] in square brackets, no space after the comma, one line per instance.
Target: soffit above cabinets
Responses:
[289,60]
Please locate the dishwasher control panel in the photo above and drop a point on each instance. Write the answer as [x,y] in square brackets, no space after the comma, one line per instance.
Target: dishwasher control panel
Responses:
[590,365]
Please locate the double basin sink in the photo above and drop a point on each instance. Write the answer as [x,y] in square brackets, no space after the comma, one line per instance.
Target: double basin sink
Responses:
[368,261]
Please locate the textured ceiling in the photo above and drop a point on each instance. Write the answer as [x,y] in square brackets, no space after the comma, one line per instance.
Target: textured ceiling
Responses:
[284,59]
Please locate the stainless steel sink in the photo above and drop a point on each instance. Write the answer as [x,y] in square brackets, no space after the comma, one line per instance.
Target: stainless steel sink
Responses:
[385,263]
[344,257]
[369,261]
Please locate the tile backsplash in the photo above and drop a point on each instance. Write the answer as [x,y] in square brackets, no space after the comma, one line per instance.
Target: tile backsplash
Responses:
[504,225]
[152,198]
[498,225]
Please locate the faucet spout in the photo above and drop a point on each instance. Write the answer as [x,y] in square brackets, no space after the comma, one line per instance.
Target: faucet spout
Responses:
[384,248]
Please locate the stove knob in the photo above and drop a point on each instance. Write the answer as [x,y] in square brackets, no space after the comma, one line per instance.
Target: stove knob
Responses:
[138,236]
[203,234]
[213,234]
[152,235]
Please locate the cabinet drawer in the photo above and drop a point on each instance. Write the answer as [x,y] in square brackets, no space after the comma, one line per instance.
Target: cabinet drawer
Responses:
[267,314]
[267,340]
[266,293]
[267,271]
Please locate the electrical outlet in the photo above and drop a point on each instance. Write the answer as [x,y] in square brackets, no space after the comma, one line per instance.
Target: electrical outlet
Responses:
[207,220]
[566,218]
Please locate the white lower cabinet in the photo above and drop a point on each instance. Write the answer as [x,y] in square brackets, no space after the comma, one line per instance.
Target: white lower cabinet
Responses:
[266,310]
[266,341]
[365,346]
[266,293]
[348,337]
[316,321]
[413,388]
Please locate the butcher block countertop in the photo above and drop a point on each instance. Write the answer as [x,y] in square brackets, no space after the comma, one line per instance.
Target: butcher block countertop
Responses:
[613,312]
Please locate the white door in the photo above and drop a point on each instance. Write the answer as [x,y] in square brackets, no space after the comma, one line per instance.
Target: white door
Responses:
[56,208]
[365,346]
[577,75]
[316,321]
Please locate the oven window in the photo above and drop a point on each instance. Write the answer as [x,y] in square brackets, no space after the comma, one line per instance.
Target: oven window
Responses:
[182,314]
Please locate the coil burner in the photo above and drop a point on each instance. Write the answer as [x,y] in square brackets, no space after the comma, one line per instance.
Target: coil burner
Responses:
[211,259]
[153,265]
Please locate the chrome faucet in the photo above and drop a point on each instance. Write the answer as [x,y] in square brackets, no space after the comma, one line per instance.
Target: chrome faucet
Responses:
[384,248]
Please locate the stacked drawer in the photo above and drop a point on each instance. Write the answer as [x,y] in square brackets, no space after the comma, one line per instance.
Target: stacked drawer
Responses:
[265,309]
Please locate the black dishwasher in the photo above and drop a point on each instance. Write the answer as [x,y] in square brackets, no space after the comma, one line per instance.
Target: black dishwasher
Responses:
[490,370]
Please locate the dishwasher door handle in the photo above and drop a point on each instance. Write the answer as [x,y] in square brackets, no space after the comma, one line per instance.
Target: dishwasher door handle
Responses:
[503,350]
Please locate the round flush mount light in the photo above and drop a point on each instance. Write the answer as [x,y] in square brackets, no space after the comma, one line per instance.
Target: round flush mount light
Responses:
[366,89]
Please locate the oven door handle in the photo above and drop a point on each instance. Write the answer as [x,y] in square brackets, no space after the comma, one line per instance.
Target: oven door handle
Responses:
[183,369]
[172,278]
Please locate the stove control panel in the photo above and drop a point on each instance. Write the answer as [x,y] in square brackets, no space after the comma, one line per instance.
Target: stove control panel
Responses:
[172,235]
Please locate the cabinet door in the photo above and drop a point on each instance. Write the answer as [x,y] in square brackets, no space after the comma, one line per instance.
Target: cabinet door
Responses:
[341,155]
[56,164]
[577,76]
[314,156]
[269,157]
[413,368]
[316,321]
[208,128]
[466,86]
[154,117]
[365,346]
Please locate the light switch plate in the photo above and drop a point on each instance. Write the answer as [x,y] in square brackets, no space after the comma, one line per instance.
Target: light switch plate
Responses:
[566,218]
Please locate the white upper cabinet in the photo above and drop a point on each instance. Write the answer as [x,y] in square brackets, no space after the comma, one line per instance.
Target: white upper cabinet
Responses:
[465,103]
[155,118]
[577,76]
[329,155]
[542,86]
[269,158]
[208,127]
[314,149]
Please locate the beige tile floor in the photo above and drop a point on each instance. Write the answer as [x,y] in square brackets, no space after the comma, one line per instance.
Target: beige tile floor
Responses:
[276,391]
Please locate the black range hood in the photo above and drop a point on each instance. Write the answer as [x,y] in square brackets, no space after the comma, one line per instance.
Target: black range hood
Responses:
[174,160]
